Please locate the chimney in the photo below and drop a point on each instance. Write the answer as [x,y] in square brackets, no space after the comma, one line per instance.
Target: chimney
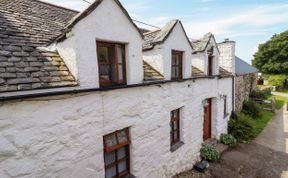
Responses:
[227,55]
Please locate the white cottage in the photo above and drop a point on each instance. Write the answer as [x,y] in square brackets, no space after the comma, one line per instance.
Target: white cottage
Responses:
[77,101]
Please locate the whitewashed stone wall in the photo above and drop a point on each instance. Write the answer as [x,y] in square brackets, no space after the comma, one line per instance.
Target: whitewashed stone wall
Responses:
[227,55]
[79,52]
[63,136]
[161,54]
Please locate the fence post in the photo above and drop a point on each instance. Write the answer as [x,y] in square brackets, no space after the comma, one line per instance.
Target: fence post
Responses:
[273,102]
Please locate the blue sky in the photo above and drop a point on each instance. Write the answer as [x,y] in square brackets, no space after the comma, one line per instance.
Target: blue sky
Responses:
[248,22]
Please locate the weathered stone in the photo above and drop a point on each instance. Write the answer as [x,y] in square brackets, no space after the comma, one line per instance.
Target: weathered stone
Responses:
[5,53]
[14,59]
[67,78]
[59,73]
[36,64]
[8,88]
[21,64]
[21,54]
[31,69]
[8,75]
[6,64]
[57,59]
[50,68]
[24,87]
[11,69]
[50,79]
[22,75]
[38,85]
[2,69]
[12,48]
[20,81]
[37,74]
[2,81]
[19,69]
[35,54]
[27,48]
[50,54]
[3,59]
[64,68]
[31,59]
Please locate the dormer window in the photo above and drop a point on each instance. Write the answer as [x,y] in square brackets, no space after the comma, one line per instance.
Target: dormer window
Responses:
[111,62]
[176,70]
[210,65]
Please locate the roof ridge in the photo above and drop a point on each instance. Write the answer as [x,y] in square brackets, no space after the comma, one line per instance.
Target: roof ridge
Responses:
[57,6]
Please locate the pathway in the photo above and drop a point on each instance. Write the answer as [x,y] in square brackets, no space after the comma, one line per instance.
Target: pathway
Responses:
[265,157]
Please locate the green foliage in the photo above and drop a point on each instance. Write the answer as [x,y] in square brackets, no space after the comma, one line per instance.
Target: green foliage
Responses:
[277,80]
[258,94]
[241,127]
[251,109]
[228,139]
[272,56]
[209,153]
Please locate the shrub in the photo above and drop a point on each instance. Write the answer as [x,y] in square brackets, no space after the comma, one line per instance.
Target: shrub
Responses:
[209,153]
[228,139]
[251,109]
[241,127]
[259,94]
[278,81]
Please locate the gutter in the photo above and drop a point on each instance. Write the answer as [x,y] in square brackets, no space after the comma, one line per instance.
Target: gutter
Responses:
[77,91]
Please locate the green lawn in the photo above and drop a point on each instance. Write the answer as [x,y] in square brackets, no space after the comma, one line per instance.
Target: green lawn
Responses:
[260,123]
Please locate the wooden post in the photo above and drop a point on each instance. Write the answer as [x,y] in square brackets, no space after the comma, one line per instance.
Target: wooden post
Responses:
[273,103]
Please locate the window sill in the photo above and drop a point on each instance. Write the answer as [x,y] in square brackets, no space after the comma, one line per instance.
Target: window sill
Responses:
[176,146]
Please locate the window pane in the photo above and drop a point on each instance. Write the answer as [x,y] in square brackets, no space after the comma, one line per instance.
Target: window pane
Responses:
[175,136]
[122,137]
[121,153]
[103,55]
[122,166]
[110,140]
[176,72]
[109,158]
[120,72]
[120,54]
[105,71]
[173,75]
[113,77]
[173,59]
[175,125]
[110,172]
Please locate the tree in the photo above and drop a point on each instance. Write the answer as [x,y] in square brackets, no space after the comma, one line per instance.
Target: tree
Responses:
[272,56]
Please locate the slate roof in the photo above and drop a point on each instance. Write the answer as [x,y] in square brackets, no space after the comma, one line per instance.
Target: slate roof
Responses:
[224,72]
[159,36]
[200,45]
[151,74]
[196,72]
[26,25]
[243,68]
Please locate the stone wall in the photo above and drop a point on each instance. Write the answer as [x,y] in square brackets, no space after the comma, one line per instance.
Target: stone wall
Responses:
[243,86]
[63,136]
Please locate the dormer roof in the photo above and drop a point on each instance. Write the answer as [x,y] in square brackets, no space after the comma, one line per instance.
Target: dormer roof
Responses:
[160,35]
[200,45]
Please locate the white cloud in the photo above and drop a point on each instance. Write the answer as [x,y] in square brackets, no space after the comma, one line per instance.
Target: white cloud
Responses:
[253,22]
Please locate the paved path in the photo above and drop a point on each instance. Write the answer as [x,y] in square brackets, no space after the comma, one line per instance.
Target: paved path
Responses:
[275,135]
[265,157]
[280,94]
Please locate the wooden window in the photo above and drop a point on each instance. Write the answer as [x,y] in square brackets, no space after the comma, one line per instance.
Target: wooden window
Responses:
[175,127]
[176,70]
[116,154]
[210,65]
[111,62]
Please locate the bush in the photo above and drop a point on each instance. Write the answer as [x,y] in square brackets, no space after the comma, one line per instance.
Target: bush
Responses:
[251,109]
[241,127]
[278,81]
[209,153]
[228,139]
[259,94]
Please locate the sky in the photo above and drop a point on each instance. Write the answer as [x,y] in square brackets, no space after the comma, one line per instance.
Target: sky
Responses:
[248,22]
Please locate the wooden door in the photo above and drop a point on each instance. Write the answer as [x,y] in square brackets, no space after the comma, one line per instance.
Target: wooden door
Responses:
[207,119]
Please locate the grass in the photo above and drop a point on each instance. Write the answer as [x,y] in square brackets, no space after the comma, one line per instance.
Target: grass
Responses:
[261,122]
